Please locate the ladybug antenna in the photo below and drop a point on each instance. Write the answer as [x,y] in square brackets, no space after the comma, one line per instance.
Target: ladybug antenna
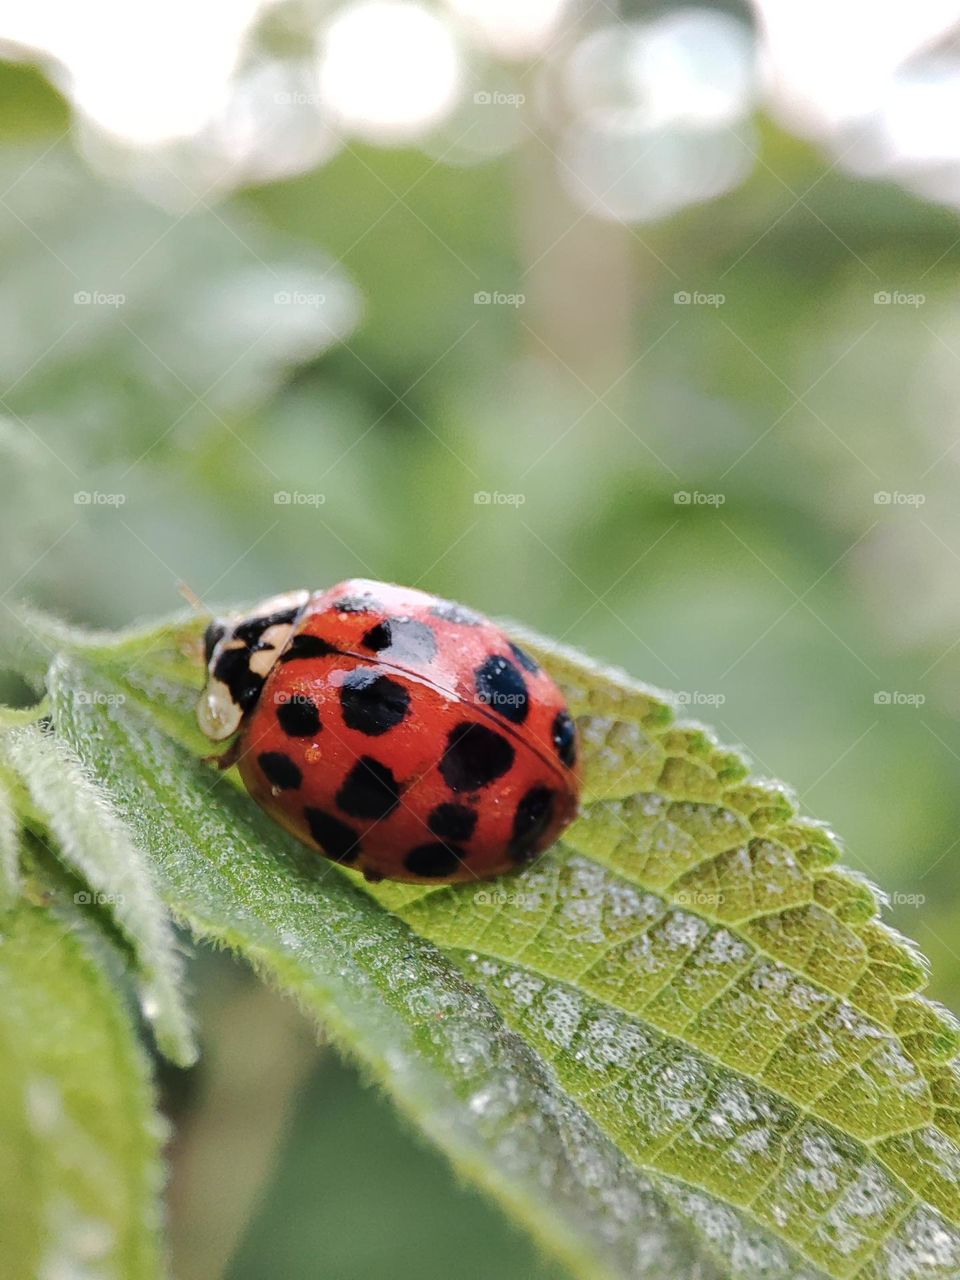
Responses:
[192,599]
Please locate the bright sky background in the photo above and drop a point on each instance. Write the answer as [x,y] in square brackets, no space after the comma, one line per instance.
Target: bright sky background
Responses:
[649,116]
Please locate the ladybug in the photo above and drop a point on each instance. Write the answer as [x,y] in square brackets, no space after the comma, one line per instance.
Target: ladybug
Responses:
[393,731]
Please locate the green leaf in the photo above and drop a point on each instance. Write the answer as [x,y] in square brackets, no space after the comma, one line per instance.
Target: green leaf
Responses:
[79,1162]
[91,839]
[684,1034]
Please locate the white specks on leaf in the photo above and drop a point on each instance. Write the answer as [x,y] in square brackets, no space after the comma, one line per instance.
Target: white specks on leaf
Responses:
[560,1014]
[683,931]
[925,1246]
[819,1165]
[723,948]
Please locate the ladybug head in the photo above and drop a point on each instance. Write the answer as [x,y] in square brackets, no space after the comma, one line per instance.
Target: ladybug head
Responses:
[240,651]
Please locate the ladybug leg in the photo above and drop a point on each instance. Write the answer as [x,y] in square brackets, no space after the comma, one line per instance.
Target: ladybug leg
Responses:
[227,759]
[371,876]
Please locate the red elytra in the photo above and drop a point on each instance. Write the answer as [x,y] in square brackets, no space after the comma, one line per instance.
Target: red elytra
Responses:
[394,731]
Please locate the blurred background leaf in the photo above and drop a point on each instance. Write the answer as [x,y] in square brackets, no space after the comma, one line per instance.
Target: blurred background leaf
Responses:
[203,163]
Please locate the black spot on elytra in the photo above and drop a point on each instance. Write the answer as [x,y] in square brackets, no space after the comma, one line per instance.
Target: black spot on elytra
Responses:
[211,638]
[452,822]
[533,816]
[501,685]
[433,860]
[299,717]
[475,756]
[279,770]
[306,646]
[357,604]
[369,791]
[458,613]
[251,630]
[402,640]
[564,736]
[521,655]
[372,703]
[337,840]
[232,668]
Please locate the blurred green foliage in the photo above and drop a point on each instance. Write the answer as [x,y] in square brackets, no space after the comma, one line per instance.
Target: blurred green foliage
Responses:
[788,610]
[396,1214]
